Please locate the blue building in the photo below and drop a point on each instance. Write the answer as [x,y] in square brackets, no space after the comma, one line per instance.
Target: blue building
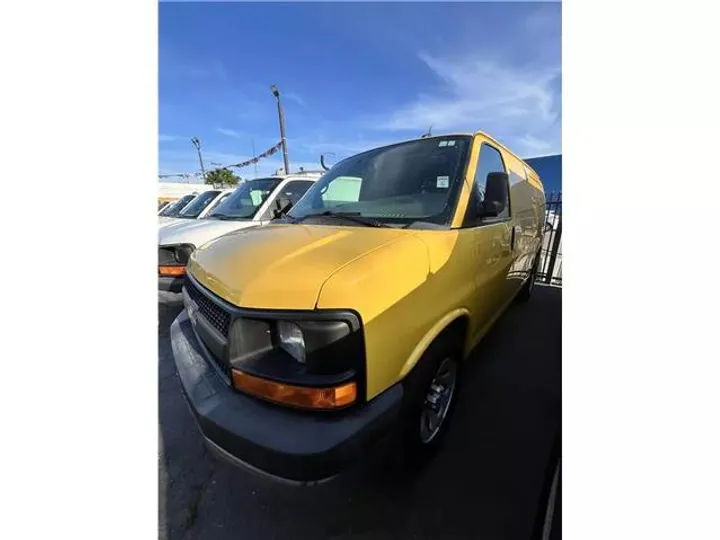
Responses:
[550,170]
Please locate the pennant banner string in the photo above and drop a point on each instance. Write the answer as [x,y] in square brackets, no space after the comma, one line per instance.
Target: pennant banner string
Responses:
[267,153]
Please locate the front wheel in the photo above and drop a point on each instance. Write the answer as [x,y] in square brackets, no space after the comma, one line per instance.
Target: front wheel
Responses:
[438,399]
[430,393]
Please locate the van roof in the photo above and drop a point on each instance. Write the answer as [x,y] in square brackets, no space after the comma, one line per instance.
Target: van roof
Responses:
[305,174]
[464,134]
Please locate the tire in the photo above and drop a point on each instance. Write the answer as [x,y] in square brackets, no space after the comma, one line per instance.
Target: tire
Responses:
[419,441]
[527,289]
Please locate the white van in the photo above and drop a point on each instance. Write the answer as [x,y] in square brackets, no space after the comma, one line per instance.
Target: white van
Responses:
[198,207]
[250,205]
[174,208]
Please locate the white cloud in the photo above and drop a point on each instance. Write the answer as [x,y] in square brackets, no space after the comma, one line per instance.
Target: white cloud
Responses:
[169,138]
[216,69]
[292,96]
[544,23]
[535,146]
[342,148]
[518,105]
[231,132]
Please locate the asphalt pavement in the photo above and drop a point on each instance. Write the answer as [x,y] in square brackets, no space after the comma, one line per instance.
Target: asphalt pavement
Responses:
[485,484]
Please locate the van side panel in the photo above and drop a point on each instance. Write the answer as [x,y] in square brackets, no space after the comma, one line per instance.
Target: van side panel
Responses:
[527,221]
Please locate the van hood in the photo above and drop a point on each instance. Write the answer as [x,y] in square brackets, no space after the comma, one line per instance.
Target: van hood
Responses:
[282,266]
[199,231]
[165,221]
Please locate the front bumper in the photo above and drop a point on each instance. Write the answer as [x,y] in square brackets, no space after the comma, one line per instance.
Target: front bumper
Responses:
[295,446]
[170,284]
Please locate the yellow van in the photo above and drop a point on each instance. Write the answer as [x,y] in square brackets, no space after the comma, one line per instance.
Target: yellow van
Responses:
[346,320]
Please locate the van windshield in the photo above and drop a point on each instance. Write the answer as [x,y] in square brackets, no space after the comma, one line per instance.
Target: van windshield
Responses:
[172,210]
[244,202]
[416,181]
[193,210]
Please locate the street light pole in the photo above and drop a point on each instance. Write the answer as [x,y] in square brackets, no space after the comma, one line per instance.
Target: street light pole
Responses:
[196,142]
[281,116]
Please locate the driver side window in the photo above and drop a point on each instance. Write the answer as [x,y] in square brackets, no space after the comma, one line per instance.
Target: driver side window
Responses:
[490,161]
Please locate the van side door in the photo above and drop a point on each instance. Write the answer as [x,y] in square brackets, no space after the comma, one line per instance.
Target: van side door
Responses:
[492,237]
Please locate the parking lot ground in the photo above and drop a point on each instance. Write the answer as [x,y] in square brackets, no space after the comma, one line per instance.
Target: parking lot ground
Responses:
[485,483]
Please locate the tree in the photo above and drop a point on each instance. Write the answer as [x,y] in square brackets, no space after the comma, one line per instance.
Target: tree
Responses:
[222,177]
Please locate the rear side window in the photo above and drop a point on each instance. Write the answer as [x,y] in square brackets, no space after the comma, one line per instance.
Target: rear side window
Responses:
[490,161]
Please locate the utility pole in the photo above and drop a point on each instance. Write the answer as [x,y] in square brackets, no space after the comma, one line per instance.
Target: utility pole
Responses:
[196,142]
[281,116]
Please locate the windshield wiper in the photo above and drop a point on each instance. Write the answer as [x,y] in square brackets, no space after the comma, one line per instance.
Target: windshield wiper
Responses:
[348,216]
[424,225]
[222,216]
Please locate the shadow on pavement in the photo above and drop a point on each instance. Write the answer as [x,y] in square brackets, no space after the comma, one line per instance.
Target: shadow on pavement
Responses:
[486,482]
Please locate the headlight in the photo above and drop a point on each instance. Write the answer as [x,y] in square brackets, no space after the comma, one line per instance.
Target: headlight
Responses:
[183,252]
[316,363]
[292,340]
[173,259]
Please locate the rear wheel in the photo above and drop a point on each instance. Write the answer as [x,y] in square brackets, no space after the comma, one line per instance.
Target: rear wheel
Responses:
[527,288]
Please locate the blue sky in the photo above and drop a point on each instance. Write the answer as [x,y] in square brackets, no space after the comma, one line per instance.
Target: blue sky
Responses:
[353,76]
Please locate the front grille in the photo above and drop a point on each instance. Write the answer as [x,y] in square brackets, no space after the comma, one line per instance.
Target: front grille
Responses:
[216,315]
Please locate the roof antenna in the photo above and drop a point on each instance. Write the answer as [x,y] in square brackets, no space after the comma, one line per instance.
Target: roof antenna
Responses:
[428,134]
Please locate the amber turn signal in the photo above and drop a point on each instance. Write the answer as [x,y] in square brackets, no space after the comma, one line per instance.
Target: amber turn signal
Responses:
[172,271]
[298,396]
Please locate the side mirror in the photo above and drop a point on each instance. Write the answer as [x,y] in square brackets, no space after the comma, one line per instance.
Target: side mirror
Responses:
[490,209]
[283,206]
[496,194]
[548,226]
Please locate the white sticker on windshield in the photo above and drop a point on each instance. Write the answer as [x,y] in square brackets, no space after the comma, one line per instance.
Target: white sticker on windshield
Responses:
[451,143]
[442,143]
[443,181]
